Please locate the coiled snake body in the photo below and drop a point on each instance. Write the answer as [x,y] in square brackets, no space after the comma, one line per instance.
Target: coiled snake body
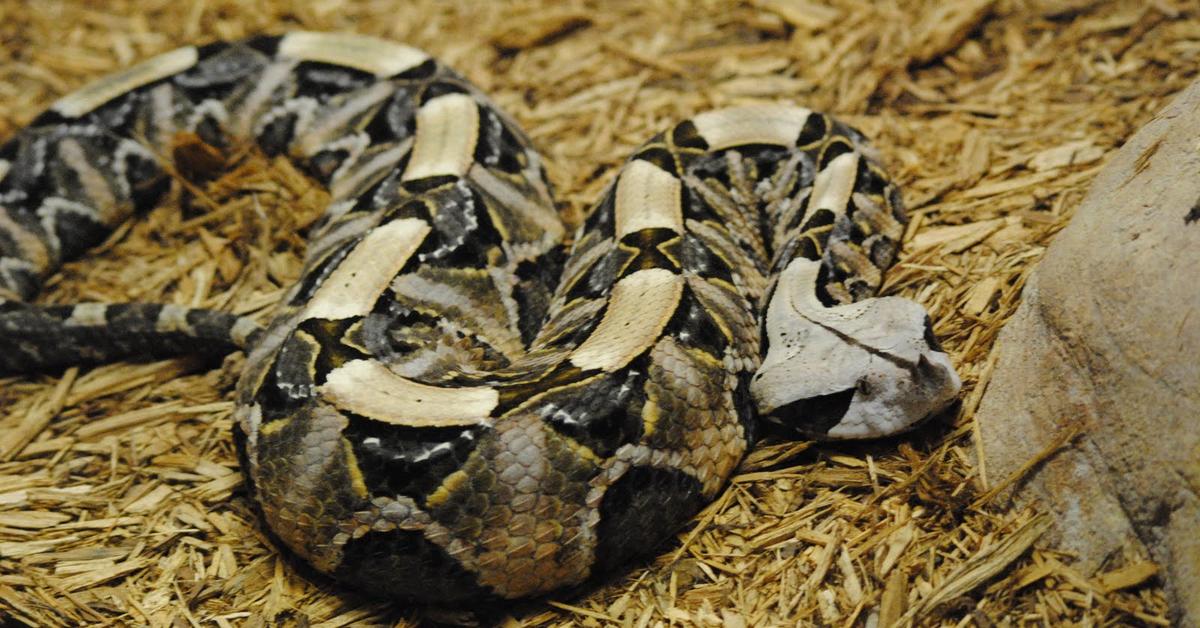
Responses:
[452,404]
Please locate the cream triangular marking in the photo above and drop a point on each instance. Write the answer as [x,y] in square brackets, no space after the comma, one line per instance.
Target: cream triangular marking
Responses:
[377,56]
[648,197]
[639,308]
[369,388]
[447,128]
[88,98]
[355,285]
[753,124]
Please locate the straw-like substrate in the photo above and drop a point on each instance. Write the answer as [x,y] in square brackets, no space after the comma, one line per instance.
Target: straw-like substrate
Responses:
[120,497]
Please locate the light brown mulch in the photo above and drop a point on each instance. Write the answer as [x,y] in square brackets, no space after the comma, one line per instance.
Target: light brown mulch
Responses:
[119,490]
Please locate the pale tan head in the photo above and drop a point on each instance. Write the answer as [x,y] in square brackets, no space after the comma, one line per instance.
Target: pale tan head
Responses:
[863,370]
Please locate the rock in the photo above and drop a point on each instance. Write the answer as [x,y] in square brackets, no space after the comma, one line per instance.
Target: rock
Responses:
[1106,340]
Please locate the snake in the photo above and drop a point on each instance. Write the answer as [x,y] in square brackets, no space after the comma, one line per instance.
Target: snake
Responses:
[461,398]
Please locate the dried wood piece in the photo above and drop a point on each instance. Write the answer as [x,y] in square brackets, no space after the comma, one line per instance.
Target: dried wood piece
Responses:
[1069,154]
[37,419]
[982,567]
[802,13]
[32,520]
[942,29]
[958,238]
[528,31]
[1128,576]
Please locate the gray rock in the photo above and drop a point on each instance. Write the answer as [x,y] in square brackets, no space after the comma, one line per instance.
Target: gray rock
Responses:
[1107,340]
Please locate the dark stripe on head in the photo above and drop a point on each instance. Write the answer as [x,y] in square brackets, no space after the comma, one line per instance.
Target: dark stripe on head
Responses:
[211,49]
[49,117]
[823,217]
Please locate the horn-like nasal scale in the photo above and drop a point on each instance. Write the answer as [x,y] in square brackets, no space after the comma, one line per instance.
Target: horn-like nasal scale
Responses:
[862,370]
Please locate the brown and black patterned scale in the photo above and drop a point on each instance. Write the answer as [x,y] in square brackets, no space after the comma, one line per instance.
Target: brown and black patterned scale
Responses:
[450,405]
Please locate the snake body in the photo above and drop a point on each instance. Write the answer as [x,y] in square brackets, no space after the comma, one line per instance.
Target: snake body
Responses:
[460,400]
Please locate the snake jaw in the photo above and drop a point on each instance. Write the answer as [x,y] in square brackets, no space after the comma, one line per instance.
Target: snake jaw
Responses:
[862,370]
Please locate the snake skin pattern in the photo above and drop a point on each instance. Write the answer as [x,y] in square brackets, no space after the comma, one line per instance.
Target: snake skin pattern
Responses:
[460,400]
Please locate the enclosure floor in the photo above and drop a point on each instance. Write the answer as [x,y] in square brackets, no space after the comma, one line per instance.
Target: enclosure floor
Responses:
[121,502]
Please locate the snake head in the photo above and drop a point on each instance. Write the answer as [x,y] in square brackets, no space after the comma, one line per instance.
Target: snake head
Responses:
[861,370]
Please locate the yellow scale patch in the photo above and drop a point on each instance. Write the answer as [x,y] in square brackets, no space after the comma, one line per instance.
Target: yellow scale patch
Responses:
[356,475]
[274,427]
[651,414]
[443,493]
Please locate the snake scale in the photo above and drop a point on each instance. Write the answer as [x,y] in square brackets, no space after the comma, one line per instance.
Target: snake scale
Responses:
[460,400]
